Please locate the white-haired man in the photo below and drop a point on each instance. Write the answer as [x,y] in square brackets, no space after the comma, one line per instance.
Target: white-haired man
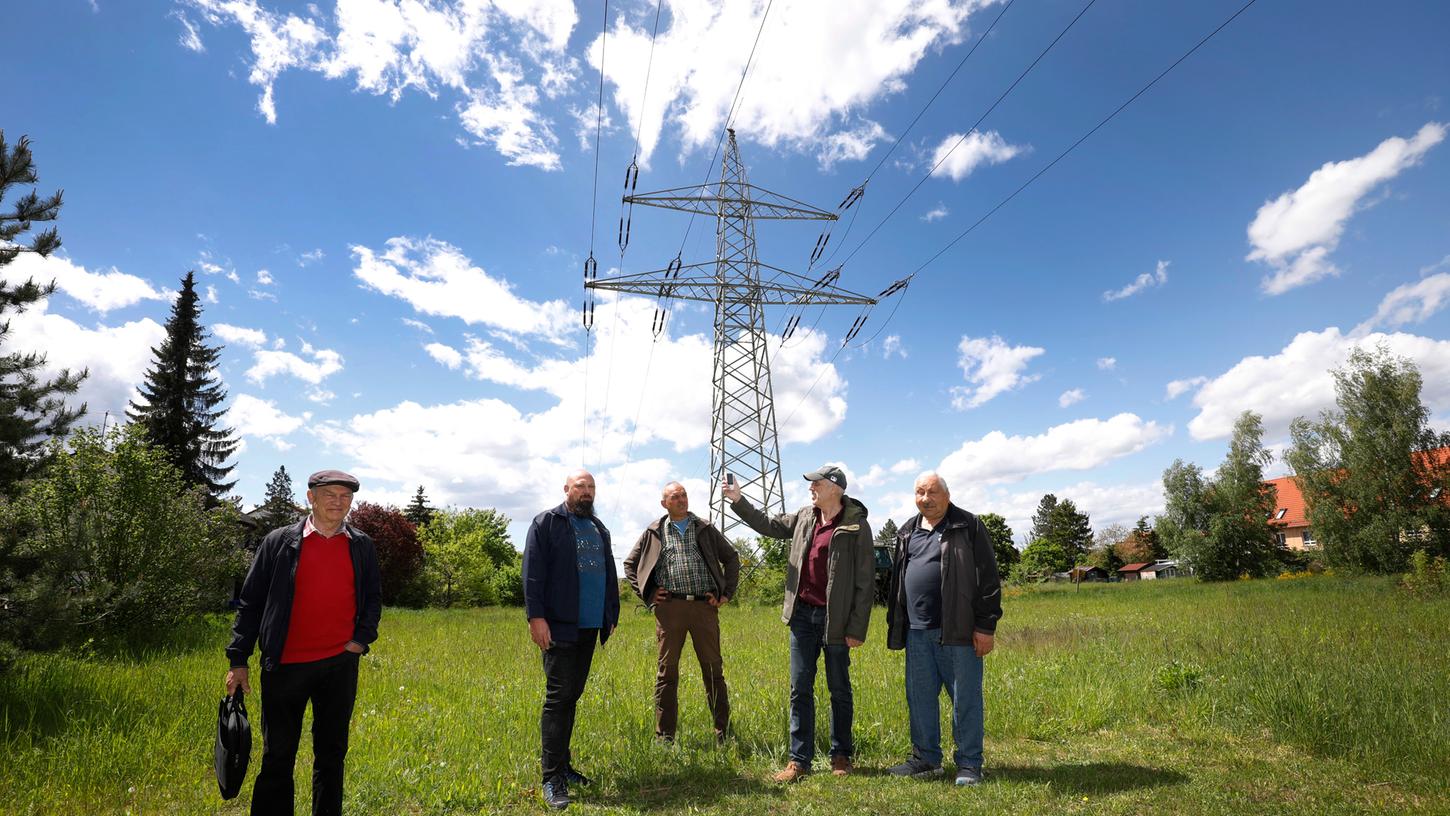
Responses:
[943,608]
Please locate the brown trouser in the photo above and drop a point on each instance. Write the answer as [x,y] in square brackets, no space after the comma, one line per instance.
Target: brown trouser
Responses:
[674,619]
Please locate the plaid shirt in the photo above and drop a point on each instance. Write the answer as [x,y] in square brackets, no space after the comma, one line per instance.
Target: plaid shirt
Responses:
[682,567]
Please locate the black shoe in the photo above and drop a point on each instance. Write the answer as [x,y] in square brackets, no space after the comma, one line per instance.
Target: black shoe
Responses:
[573,777]
[556,793]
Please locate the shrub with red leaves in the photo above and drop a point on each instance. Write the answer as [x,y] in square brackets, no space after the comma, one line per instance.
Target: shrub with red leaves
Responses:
[400,556]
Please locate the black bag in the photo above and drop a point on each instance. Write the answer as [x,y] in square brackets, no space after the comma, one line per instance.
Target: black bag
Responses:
[233,745]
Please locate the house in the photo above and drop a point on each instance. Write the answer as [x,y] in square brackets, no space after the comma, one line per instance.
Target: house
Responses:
[1083,573]
[1133,572]
[1290,516]
[1159,569]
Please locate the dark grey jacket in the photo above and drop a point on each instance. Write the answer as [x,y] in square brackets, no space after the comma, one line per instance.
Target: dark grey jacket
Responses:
[720,558]
[266,601]
[971,590]
[850,574]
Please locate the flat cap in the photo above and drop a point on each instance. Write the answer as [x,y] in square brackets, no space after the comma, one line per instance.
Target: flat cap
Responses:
[332,477]
[830,473]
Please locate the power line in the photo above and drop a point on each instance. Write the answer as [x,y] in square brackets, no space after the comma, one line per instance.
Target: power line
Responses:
[905,282]
[591,266]
[973,129]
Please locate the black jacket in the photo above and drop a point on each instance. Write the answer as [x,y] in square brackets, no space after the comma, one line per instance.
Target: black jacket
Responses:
[551,576]
[266,601]
[971,591]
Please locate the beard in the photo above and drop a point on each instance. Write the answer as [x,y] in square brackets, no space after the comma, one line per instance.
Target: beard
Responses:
[583,507]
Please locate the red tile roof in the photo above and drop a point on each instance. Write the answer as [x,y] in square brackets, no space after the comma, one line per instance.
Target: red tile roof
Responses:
[1135,567]
[1290,500]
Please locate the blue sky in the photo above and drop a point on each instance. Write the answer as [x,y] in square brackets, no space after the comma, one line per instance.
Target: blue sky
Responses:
[388,204]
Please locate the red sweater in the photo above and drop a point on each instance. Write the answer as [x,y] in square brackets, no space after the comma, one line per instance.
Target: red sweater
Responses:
[324,601]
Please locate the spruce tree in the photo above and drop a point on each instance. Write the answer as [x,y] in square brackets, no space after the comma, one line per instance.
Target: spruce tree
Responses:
[418,510]
[1042,519]
[280,507]
[32,410]
[180,398]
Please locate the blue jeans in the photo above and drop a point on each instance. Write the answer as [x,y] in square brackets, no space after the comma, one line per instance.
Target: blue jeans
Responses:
[807,640]
[929,667]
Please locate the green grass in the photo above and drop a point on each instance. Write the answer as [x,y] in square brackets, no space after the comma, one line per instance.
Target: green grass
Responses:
[1326,695]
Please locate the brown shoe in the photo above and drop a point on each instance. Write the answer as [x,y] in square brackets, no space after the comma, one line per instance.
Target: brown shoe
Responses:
[792,773]
[840,765]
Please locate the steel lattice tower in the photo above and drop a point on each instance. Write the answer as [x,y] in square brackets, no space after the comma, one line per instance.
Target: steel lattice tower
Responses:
[743,434]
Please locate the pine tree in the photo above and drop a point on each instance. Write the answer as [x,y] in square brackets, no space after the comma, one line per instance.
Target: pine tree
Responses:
[32,410]
[178,406]
[1042,519]
[418,510]
[280,507]
[1072,530]
[886,536]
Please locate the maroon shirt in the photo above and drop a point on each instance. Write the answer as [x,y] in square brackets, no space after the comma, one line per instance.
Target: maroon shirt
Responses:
[815,570]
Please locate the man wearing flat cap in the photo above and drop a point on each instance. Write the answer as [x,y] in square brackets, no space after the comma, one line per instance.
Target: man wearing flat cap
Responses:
[312,598]
[829,587]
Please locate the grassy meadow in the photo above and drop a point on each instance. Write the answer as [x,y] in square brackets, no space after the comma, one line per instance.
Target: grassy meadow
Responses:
[1318,696]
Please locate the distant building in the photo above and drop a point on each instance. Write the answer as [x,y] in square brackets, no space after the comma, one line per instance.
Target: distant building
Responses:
[1290,516]
[1086,574]
[1133,572]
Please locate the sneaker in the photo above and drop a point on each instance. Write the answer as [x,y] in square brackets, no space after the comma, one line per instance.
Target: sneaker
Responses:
[556,793]
[969,776]
[793,772]
[916,768]
[840,765]
[573,777]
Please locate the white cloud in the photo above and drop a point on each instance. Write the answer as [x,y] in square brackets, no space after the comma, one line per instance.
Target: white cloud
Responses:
[1071,397]
[267,364]
[991,367]
[116,356]
[891,347]
[437,279]
[240,335]
[1083,444]
[264,277]
[849,145]
[252,416]
[1295,232]
[99,291]
[190,38]
[211,295]
[312,257]
[936,213]
[1410,303]
[813,71]
[476,51]
[1157,277]
[958,155]
[906,467]
[418,324]
[1107,363]
[1297,382]
[447,355]
[1177,388]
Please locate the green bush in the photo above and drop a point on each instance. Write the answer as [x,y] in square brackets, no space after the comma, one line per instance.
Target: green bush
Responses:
[469,560]
[1427,576]
[109,544]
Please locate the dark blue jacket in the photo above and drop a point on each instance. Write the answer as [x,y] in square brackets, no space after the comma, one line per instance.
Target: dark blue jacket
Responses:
[266,600]
[551,576]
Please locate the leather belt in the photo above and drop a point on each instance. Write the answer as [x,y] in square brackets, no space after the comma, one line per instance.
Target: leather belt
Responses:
[680,596]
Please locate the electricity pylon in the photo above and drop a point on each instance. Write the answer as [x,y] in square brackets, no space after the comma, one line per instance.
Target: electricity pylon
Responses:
[743,435]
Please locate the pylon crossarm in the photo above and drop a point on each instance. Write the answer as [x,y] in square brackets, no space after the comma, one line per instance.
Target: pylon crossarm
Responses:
[700,282]
[705,199]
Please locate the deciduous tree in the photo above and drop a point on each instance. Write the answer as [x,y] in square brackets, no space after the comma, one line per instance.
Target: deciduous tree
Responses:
[1374,474]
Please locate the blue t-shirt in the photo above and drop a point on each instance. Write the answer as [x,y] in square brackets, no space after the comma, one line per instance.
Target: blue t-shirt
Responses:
[589,548]
[922,581]
[682,525]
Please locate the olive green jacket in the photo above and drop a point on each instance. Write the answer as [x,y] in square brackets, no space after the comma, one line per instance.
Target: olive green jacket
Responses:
[850,575]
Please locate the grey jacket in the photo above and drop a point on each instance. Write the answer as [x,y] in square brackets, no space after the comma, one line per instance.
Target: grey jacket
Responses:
[850,574]
[971,590]
[720,558]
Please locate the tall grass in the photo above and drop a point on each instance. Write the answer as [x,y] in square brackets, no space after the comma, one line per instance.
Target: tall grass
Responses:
[1314,696]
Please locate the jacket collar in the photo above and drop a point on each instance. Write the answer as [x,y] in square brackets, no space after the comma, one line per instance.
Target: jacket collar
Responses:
[954,519]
